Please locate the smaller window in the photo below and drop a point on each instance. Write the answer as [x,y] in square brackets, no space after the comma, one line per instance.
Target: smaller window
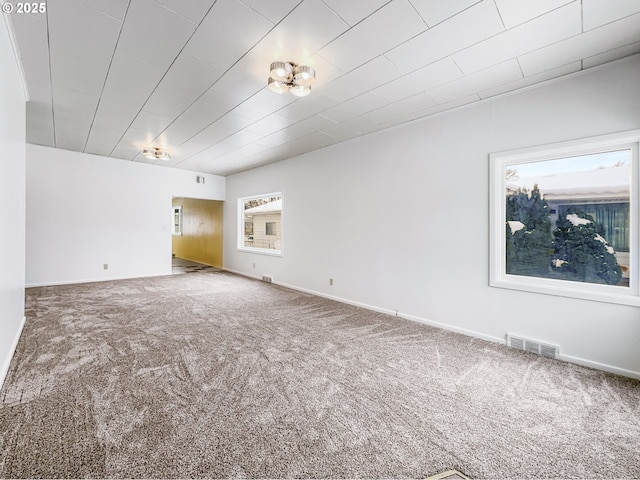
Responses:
[177,221]
[270,228]
[260,224]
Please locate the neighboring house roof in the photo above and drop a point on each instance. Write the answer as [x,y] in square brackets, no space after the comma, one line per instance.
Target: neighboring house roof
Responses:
[610,182]
[271,207]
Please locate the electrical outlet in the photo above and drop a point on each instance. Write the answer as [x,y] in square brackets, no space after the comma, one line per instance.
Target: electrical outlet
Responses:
[331,282]
[105,266]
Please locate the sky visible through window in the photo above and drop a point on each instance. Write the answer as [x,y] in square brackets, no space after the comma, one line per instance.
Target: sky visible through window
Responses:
[572,164]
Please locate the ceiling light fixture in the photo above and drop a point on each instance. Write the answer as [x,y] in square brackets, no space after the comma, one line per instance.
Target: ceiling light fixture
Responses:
[156,153]
[291,77]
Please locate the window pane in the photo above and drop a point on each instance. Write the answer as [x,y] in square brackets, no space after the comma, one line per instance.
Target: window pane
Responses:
[262,219]
[568,218]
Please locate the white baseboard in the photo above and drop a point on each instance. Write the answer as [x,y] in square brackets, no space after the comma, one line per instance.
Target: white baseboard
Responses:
[471,333]
[7,361]
[92,280]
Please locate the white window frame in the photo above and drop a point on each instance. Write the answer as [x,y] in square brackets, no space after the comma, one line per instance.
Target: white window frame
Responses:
[499,161]
[262,251]
[177,210]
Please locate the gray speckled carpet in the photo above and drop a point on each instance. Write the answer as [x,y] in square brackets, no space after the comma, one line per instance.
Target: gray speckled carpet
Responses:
[216,375]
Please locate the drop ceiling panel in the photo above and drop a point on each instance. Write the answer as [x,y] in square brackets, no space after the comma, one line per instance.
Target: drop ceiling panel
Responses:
[597,12]
[515,12]
[373,35]
[193,10]
[545,30]
[506,72]
[201,75]
[436,11]
[355,106]
[611,55]
[354,12]
[273,11]
[351,128]
[102,140]
[153,33]
[227,32]
[473,25]
[431,76]
[608,37]
[401,109]
[34,54]
[370,75]
[80,52]
[167,103]
[115,9]
[532,80]
[270,124]
[305,107]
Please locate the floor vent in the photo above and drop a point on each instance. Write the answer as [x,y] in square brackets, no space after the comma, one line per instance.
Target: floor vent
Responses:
[267,278]
[533,346]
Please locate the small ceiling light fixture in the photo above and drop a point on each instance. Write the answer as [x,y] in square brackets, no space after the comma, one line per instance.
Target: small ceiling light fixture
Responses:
[156,153]
[291,77]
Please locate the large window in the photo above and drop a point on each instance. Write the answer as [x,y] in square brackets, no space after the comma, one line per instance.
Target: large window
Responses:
[260,223]
[564,219]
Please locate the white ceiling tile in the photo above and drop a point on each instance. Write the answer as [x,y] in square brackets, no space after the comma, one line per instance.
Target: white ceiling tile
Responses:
[436,11]
[72,101]
[80,52]
[532,80]
[71,131]
[354,12]
[354,107]
[611,55]
[101,141]
[154,33]
[425,78]
[506,72]
[545,30]
[230,24]
[305,107]
[116,9]
[600,12]
[370,75]
[129,84]
[270,124]
[353,127]
[150,123]
[608,37]
[194,10]
[273,11]
[201,75]
[461,31]
[307,126]
[309,27]
[401,109]
[515,12]
[374,35]
[457,103]
[167,103]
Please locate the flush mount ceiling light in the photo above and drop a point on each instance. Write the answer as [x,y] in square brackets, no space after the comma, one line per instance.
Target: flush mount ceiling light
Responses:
[156,154]
[291,77]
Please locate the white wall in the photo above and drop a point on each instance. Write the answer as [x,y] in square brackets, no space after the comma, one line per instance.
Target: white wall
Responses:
[12,199]
[407,215]
[84,211]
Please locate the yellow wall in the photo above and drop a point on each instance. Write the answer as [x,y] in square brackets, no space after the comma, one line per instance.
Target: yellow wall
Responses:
[201,239]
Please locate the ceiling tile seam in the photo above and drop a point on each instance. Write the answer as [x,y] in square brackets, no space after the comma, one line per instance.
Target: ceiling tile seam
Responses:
[449,18]
[53,111]
[268,20]
[424,20]
[504,25]
[162,78]
[614,21]
[100,12]
[355,24]
[161,5]
[115,48]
